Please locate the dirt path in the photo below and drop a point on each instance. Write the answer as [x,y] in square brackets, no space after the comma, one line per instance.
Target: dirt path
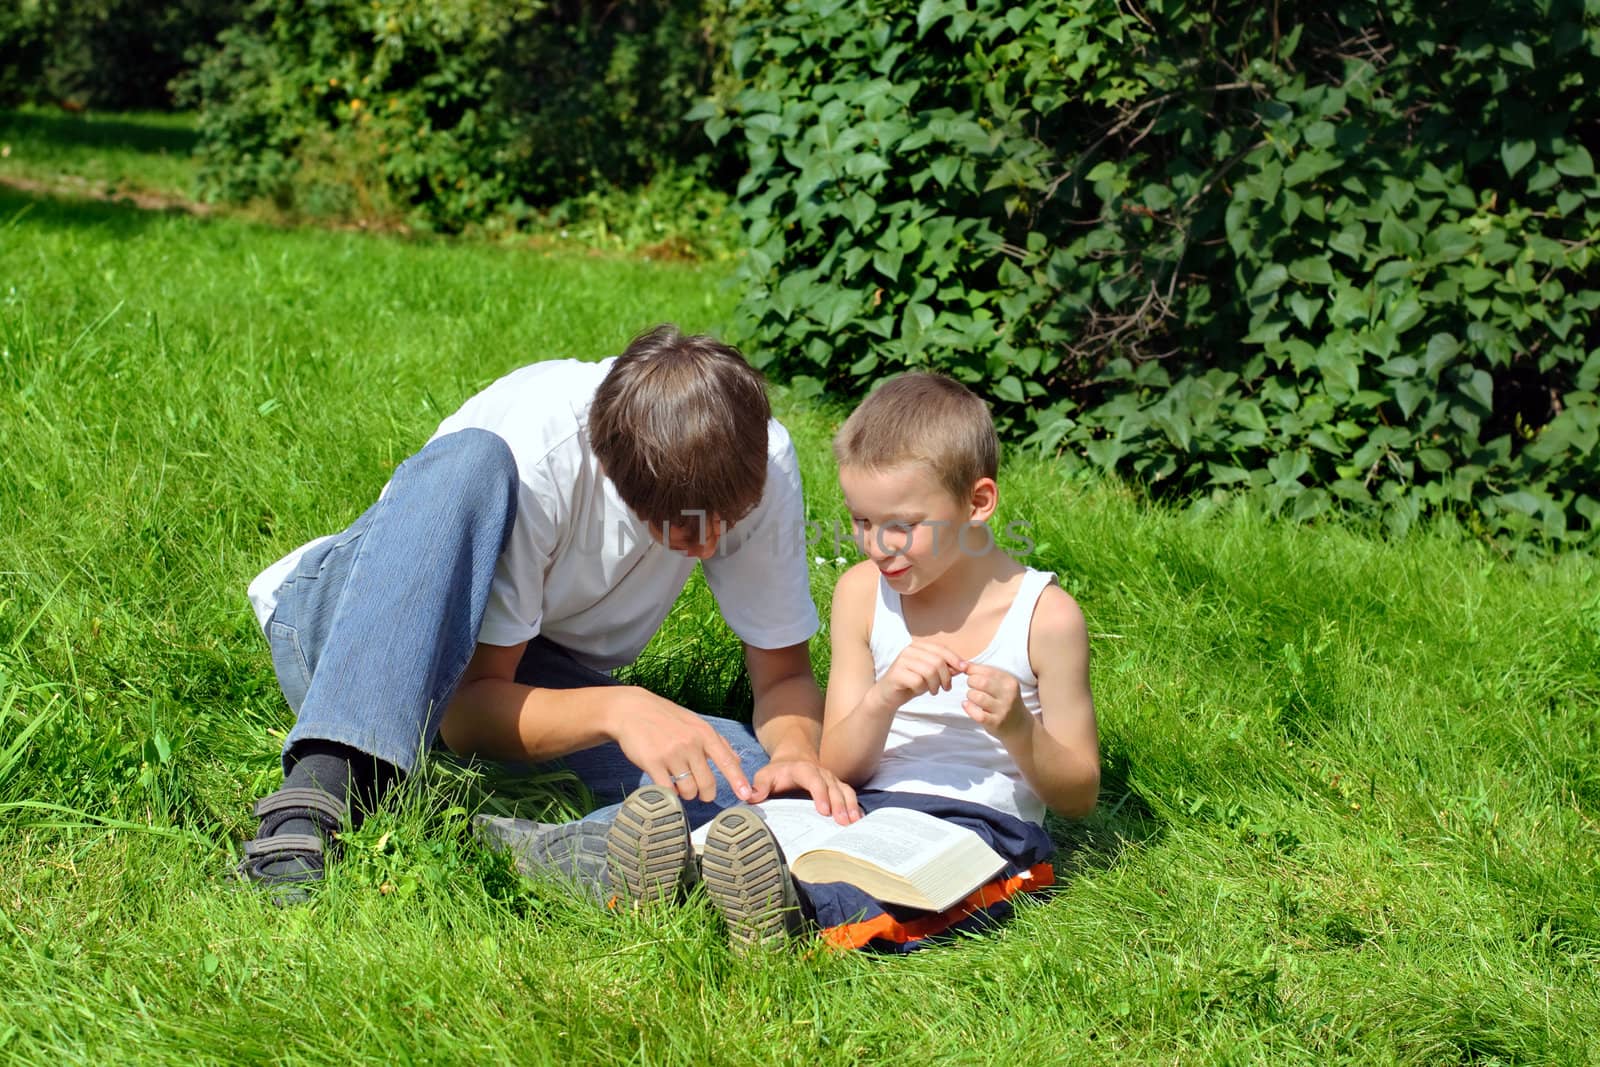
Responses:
[105,192]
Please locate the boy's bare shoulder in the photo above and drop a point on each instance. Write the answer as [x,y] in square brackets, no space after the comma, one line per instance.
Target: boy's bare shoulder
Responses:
[857,580]
[853,597]
[1057,619]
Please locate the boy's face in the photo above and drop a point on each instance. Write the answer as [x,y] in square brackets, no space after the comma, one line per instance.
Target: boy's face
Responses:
[909,525]
[696,537]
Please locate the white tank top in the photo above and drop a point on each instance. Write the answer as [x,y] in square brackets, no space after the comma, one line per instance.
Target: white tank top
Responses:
[933,746]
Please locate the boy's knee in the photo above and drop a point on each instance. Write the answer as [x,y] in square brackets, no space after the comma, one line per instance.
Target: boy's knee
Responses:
[477,466]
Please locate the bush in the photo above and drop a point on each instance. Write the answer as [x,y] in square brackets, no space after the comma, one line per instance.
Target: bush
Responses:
[104,53]
[1335,255]
[447,113]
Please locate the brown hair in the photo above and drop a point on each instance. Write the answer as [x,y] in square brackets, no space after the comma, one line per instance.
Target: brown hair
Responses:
[680,426]
[923,418]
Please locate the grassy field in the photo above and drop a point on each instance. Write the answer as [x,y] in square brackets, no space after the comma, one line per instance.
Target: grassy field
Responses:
[112,154]
[1351,794]
[147,159]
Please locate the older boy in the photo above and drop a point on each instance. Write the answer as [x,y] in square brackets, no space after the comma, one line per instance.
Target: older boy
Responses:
[959,681]
[535,543]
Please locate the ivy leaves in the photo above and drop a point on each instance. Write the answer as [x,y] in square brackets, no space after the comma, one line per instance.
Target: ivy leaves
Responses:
[1331,276]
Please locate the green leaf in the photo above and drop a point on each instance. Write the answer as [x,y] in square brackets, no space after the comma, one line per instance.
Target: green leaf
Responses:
[1410,395]
[1479,387]
[1309,165]
[1576,163]
[1305,308]
[1009,388]
[1348,489]
[1447,242]
[1288,467]
[930,12]
[1544,177]
[1515,155]
[919,315]
[1311,503]
[805,387]
[1521,500]
[1157,197]
[1321,438]
[1313,270]
[1247,413]
[1225,474]
[1270,279]
[1341,373]
[1351,240]
[888,264]
[836,309]
[1518,52]
[1406,314]
[1435,459]
[1019,17]
[1106,453]
[865,165]
[717,127]
[1396,237]
[739,53]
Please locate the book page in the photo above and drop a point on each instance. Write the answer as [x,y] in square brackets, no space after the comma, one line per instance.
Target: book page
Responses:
[796,823]
[899,855]
[898,840]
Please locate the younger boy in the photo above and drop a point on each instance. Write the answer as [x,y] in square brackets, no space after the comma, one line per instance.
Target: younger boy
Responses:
[959,680]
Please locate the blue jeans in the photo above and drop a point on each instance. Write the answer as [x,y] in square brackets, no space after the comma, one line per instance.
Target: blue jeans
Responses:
[375,626]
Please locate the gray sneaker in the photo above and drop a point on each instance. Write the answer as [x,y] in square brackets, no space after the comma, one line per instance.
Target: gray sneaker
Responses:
[647,849]
[572,852]
[747,879]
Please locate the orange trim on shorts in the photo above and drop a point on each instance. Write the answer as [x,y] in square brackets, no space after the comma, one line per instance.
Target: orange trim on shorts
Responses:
[888,928]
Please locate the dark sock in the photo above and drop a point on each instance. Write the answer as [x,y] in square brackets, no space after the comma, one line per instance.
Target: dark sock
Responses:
[355,778]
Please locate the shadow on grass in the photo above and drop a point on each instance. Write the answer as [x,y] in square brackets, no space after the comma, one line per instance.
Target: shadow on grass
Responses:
[121,218]
[92,131]
[1121,821]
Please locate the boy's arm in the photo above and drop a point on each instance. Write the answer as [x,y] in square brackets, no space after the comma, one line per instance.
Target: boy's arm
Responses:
[494,716]
[788,722]
[861,706]
[853,728]
[1059,751]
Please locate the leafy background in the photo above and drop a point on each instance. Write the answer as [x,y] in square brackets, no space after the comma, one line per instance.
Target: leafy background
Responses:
[1337,258]
[1342,258]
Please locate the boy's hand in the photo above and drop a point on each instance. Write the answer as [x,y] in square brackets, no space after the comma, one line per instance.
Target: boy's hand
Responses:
[922,667]
[994,700]
[832,796]
[677,748]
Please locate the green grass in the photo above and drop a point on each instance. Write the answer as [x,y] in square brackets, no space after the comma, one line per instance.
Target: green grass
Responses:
[1351,785]
[100,153]
[148,158]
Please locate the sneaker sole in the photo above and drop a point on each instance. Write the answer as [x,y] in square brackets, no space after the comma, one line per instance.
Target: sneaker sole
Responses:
[647,847]
[744,873]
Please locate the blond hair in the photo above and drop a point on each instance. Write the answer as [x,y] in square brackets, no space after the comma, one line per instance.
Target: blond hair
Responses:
[680,426]
[926,419]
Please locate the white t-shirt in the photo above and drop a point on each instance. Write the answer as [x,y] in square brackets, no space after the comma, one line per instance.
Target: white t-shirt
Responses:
[935,747]
[580,568]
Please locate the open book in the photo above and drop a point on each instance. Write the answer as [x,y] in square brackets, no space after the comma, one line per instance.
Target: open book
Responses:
[898,855]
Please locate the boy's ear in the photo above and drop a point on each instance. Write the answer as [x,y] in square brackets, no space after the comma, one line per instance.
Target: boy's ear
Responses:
[985,498]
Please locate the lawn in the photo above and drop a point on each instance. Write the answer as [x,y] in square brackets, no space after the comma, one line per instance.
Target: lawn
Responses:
[99,153]
[1351,785]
